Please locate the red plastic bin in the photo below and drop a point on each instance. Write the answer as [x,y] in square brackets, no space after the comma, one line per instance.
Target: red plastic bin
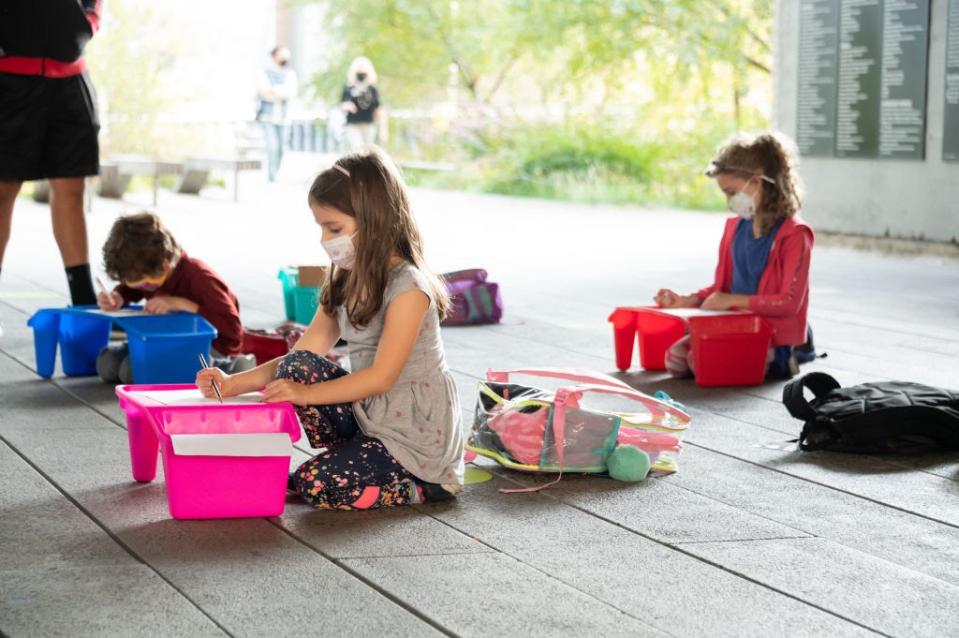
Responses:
[264,347]
[730,349]
[655,331]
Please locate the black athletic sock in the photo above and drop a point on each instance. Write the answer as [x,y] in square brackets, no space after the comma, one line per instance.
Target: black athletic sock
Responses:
[81,285]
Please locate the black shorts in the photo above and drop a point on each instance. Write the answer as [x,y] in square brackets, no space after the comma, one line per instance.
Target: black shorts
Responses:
[48,127]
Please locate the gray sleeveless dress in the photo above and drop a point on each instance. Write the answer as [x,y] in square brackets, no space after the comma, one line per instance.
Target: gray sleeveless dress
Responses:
[419,419]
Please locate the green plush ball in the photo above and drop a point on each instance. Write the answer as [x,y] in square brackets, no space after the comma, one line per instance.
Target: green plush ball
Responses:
[628,463]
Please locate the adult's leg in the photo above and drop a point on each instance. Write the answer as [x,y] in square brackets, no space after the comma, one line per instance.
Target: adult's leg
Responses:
[272,149]
[354,138]
[8,196]
[22,129]
[281,132]
[369,135]
[69,225]
[70,231]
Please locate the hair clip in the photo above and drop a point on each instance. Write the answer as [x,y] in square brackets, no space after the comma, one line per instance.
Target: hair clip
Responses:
[341,169]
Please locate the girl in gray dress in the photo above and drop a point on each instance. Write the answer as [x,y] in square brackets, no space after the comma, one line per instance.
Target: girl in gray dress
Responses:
[391,429]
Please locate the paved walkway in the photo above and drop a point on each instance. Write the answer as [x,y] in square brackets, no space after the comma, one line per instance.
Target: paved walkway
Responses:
[748,538]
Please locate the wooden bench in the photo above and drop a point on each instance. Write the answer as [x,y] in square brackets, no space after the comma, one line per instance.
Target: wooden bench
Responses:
[196,172]
[116,173]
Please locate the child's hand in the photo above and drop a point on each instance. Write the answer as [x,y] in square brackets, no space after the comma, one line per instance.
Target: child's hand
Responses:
[160,305]
[718,301]
[285,390]
[164,304]
[666,298]
[205,379]
[109,301]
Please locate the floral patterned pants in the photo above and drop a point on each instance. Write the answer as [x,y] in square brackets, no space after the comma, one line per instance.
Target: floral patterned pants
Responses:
[356,472]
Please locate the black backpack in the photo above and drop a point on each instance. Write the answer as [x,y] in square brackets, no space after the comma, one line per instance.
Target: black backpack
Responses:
[893,416]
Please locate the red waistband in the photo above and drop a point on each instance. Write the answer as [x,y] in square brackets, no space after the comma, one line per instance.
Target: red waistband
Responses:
[45,67]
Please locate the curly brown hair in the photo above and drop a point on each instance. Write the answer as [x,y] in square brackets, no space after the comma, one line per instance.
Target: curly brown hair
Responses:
[138,246]
[771,155]
[369,188]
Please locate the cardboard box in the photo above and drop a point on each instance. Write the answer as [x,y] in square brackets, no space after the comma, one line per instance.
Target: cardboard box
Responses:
[311,276]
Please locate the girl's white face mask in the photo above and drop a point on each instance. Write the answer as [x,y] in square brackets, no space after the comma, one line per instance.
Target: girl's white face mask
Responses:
[341,251]
[742,204]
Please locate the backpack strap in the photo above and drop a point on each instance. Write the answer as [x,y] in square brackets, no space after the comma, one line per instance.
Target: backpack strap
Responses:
[819,382]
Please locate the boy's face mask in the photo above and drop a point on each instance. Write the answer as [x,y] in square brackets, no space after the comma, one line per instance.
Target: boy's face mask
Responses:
[147,284]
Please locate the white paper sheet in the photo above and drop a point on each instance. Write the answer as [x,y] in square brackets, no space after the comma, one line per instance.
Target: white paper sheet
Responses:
[123,312]
[686,313]
[274,444]
[193,397]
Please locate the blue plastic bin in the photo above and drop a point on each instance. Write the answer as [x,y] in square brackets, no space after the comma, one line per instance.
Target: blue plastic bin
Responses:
[82,337]
[46,334]
[163,348]
[299,302]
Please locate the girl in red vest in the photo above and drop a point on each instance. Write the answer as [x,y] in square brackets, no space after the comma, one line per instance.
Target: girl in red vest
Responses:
[764,253]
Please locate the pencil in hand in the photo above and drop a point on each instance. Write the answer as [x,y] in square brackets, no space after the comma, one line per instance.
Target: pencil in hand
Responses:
[212,382]
[106,293]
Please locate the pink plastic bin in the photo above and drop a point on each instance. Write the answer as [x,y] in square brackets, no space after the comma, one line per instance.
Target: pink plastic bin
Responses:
[234,484]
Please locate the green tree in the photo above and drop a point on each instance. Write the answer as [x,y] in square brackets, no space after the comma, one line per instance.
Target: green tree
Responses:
[562,96]
[128,62]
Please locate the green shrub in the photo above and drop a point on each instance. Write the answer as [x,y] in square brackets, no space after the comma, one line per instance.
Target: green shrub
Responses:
[586,164]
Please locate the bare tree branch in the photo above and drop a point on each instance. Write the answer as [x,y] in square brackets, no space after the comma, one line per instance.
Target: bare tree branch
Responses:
[501,76]
[757,64]
[752,34]
[468,79]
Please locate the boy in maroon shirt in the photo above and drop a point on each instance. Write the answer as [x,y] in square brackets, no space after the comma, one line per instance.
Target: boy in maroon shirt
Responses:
[142,254]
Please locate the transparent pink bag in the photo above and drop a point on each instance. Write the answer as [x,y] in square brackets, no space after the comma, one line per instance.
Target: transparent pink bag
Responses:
[537,430]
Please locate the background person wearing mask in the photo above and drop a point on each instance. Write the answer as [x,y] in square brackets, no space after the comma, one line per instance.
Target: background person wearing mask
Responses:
[276,87]
[365,118]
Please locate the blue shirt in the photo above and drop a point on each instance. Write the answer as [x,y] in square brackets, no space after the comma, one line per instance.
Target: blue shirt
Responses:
[750,255]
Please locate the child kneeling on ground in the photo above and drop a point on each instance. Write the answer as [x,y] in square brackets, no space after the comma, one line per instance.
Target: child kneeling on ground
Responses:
[142,254]
[764,253]
[391,429]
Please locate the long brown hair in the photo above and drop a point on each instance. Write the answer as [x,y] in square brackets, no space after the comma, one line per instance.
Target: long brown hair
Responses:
[771,155]
[369,188]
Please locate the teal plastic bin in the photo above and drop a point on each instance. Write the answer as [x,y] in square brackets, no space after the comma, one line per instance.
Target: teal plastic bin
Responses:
[299,302]
[288,279]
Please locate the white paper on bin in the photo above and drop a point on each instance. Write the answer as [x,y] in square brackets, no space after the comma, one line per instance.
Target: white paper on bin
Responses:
[275,444]
[686,313]
[195,397]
